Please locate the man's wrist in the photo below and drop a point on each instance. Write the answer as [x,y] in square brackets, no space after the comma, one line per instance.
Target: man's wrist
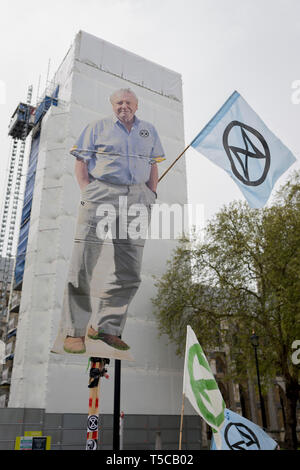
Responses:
[152,189]
[83,183]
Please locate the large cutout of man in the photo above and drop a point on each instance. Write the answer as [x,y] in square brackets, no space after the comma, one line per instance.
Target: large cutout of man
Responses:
[115,160]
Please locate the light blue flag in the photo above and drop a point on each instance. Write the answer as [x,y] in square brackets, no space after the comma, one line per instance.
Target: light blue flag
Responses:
[239,433]
[237,140]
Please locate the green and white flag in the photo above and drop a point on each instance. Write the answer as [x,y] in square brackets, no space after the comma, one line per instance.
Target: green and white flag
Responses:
[200,386]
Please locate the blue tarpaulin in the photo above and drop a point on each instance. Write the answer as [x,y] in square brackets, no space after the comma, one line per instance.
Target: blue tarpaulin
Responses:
[25,218]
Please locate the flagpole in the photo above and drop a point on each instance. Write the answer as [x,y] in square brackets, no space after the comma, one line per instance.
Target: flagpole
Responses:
[181,421]
[234,95]
[171,166]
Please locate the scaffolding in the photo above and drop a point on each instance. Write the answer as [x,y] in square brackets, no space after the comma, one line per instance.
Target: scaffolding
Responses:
[21,123]
[26,119]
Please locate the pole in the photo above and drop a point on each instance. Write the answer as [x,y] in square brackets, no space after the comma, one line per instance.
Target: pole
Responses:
[181,421]
[121,429]
[117,395]
[97,371]
[171,166]
[262,404]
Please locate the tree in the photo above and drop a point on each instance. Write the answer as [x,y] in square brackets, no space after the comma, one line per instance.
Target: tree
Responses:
[244,276]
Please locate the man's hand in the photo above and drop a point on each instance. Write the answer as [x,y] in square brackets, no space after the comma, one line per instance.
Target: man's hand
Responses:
[81,173]
[152,182]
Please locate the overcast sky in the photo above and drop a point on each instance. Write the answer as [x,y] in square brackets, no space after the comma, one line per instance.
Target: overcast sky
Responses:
[217,45]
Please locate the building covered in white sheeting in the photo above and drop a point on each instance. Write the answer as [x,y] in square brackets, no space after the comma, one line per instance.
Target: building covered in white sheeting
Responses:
[48,389]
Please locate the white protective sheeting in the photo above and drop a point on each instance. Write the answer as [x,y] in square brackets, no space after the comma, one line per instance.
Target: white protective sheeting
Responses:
[131,67]
[90,72]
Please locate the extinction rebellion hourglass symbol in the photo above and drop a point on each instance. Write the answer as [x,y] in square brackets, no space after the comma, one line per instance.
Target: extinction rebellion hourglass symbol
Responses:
[242,158]
[248,438]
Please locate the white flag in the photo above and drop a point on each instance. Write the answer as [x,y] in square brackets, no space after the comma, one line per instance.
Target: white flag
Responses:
[237,140]
[200,386]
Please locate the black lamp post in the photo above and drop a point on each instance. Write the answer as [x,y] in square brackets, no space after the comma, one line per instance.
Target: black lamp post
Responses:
[117,395]
[254,342]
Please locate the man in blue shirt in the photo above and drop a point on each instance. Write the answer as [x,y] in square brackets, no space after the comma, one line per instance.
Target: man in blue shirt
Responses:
[116,158]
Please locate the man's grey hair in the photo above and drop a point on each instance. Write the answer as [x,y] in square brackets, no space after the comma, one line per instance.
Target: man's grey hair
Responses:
[122,90]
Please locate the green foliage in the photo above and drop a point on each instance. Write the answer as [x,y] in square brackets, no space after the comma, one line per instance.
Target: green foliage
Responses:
[244,276]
